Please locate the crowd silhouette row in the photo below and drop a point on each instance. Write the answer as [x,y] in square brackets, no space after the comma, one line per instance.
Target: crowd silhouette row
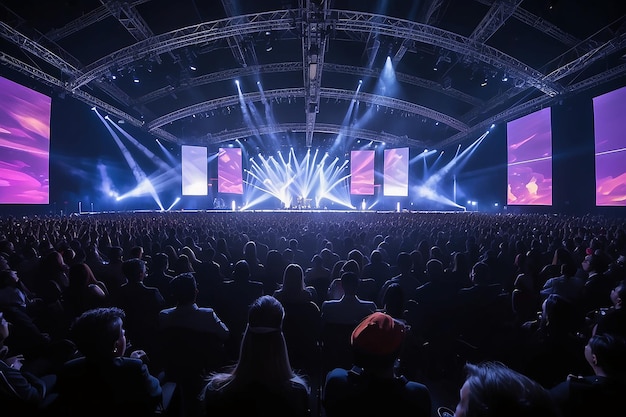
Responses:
[311,314]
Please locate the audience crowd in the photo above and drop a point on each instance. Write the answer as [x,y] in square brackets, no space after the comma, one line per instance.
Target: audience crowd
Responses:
[312,314]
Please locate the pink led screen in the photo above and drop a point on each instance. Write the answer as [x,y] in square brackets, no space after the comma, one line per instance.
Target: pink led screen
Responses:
[529,148]
[24,145]
[609,127]
[362,173]
[229,177]
[396,172]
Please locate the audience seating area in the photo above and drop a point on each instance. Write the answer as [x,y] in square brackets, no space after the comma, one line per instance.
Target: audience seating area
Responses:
[491,302]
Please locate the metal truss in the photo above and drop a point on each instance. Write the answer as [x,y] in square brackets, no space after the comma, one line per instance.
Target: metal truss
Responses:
[132,21]
[37,49]
[297,67]
[498,14]
[314,40]
[405,78]
[599,52]
[330,93]
[87,19]
[540,24]
[537,103]
[404,29]
[396,104]
[191,35]
[235,43]
[51,81]
[341,20]
[333,129]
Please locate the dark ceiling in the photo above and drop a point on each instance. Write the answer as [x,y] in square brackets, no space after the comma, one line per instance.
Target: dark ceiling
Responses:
[460,65]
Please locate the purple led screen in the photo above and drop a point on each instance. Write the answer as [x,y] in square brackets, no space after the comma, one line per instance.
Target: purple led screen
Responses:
[24,145]
[229,179]
[194,170]
[396,172]
[362,173]
[529,147]
[609,128]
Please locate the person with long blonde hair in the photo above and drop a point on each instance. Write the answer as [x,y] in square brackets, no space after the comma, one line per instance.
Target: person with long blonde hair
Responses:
[262,382]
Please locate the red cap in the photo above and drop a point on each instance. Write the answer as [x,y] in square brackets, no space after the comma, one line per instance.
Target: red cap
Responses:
[378,334]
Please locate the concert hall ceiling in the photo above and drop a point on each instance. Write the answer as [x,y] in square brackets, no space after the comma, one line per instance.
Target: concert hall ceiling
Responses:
[315,69]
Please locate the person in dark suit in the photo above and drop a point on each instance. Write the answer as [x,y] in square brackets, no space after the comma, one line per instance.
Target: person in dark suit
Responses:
[237,295]
[601,393]
[103,382]
[141,305]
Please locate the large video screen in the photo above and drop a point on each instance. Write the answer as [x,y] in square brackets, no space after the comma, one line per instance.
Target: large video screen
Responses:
[362,173]
[396,172]
[609,128]
[229,177]
[24,145]
[529,148]
[194,170]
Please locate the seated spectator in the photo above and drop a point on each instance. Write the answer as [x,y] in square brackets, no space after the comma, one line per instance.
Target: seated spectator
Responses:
[614,319]
[237,295]
[293,289]
[21,392]
[493,390]
[601,393]
[141,305]
[84,291]
[349,309]
[377,269]
[567,285]
[406,279]
[191,342]
[187,314]
[103,382]
[318,276]
[372,387]
[112,274]
[159,276]
[262,381]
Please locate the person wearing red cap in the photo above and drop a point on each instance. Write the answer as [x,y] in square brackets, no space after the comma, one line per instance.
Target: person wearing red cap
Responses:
[372,387]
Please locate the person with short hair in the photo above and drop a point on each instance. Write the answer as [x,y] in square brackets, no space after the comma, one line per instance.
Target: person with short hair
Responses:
[103,382]
[372,387]
[602,392]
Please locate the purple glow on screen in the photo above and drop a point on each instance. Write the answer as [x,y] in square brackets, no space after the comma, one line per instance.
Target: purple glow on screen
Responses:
[229,179]
[24,145]
[609,128]
[396,172]
[529,147]
[194,170]
[362,173]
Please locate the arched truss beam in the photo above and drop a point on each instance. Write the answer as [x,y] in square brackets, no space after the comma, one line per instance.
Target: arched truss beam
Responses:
[536,104]
[233,73]
[342,20]
[328,128]
[331,93]
[51,81]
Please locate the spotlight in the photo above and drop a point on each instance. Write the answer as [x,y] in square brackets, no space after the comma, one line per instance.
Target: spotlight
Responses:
[93,108]
[492,126]
[237,82]
[135,78]
[505,78]
[484,83]
[360,82]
